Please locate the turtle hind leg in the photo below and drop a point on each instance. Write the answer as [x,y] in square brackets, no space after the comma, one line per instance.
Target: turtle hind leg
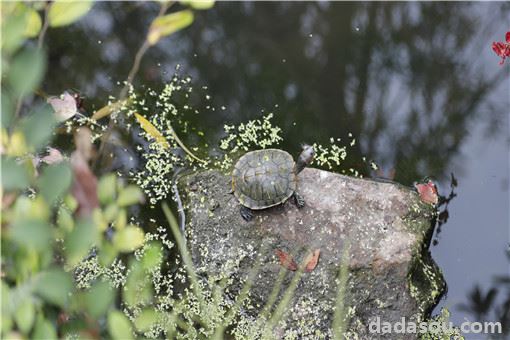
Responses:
[299,200]
[246,213]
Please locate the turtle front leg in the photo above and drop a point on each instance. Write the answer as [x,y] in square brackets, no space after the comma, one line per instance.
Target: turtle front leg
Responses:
[246,213]
[299,200]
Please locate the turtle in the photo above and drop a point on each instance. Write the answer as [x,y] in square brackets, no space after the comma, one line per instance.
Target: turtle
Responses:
[268,177]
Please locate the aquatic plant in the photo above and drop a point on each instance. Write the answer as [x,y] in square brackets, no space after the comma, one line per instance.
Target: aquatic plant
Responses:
[164,155]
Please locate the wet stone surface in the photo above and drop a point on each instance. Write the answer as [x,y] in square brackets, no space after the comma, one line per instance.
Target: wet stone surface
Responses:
[385,225]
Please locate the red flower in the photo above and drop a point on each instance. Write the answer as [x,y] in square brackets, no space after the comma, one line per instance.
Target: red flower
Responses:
[502,49]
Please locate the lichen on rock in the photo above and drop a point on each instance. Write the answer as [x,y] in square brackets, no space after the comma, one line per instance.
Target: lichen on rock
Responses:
[385,225]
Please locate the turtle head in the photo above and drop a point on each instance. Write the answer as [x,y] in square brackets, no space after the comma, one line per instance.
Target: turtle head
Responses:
[305,157]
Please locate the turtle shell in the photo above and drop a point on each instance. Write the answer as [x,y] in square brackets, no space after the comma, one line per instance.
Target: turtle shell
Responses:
[264,178]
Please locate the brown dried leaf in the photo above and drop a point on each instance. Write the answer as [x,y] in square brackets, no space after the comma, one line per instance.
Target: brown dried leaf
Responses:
[311,260]
[286,260]
[108,109]
[151,130]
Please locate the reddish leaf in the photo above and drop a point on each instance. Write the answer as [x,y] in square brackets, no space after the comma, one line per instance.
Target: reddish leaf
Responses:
[286,260]
[64,106]
[427,192]
[54,156]
[83,142]
[84,187]
[8,199]
[311,260]
[63,318]
[502,49]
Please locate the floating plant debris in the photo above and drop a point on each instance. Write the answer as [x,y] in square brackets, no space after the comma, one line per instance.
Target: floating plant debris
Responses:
[163,115]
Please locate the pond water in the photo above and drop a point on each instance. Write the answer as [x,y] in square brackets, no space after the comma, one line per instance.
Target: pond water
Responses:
[416,84]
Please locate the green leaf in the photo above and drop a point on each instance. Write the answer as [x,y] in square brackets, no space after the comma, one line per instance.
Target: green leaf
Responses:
[79,242]
[98,299]
[26,71]
[5,299]
[44,329]
[128,239]
[54,181]
[27,208]
[121,220]
[38,127]
[6,323]
[152,256]
[64,12]
[129,195]
[25,315]
[198,4]
[14,175]
[70,202]
[99,220]
[111,212]
[138,287]
[29,233]
[146,319]
[7,110]
[65,220]
[34,23]
[13,28]
[38,5]
[28,16]
[167,24]
[106,188]
[54,286]
[6,320]
[119,326]
[107,254]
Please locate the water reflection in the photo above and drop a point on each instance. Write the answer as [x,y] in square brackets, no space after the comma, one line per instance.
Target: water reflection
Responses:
[407,79]
[443,212]
[486,307]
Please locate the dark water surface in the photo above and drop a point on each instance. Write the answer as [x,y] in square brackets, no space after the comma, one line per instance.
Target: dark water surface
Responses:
[417,84]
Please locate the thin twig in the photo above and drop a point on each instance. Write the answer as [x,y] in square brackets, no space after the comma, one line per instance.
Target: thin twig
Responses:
[131,75]
[40,39]
[141,51]
[136,66]
[181,144]
[18,105]
[178,201]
